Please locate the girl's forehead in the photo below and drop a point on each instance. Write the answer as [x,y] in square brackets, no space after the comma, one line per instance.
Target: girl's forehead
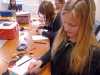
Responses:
[69,14]
[70,17]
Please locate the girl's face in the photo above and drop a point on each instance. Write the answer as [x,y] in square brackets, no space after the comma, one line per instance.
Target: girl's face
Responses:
[13,1]
[59,6]
[42,18]
[71,25]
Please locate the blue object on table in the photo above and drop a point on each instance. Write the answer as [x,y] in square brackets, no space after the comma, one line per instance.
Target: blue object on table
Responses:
[22,47]
[6,13]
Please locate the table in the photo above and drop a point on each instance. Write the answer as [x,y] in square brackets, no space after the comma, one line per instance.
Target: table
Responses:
[8,51]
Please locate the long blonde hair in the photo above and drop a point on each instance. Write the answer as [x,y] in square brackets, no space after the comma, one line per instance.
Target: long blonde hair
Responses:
[85,9]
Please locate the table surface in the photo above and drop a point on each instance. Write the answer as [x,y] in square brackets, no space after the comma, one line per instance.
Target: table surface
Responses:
[8,51]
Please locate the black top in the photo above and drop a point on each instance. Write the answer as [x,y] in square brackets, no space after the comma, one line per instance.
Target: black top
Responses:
[15,7]
[52,28]
[60,62]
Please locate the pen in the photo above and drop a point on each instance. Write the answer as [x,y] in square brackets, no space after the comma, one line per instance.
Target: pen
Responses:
[24,62]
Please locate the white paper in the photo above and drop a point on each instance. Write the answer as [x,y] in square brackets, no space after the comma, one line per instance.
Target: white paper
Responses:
[2,42]
[22,69]
[98,36]
[38,37]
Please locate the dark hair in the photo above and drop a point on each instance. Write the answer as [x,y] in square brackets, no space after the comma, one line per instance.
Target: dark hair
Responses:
[60,1]
[12,6]
[47,9]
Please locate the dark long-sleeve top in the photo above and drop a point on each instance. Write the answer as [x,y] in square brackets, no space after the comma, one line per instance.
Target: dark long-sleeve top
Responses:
[60,62]
[52,28]
[15,7]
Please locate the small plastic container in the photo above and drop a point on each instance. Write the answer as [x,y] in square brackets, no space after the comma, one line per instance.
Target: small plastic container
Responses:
[23,40]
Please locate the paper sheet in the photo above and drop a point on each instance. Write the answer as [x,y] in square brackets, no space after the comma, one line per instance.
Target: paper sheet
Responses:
[98,36]
[38,37]
[22,69]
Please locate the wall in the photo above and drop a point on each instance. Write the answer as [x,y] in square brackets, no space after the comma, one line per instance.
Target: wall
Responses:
[31,5]
[97,9]
[4,4]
